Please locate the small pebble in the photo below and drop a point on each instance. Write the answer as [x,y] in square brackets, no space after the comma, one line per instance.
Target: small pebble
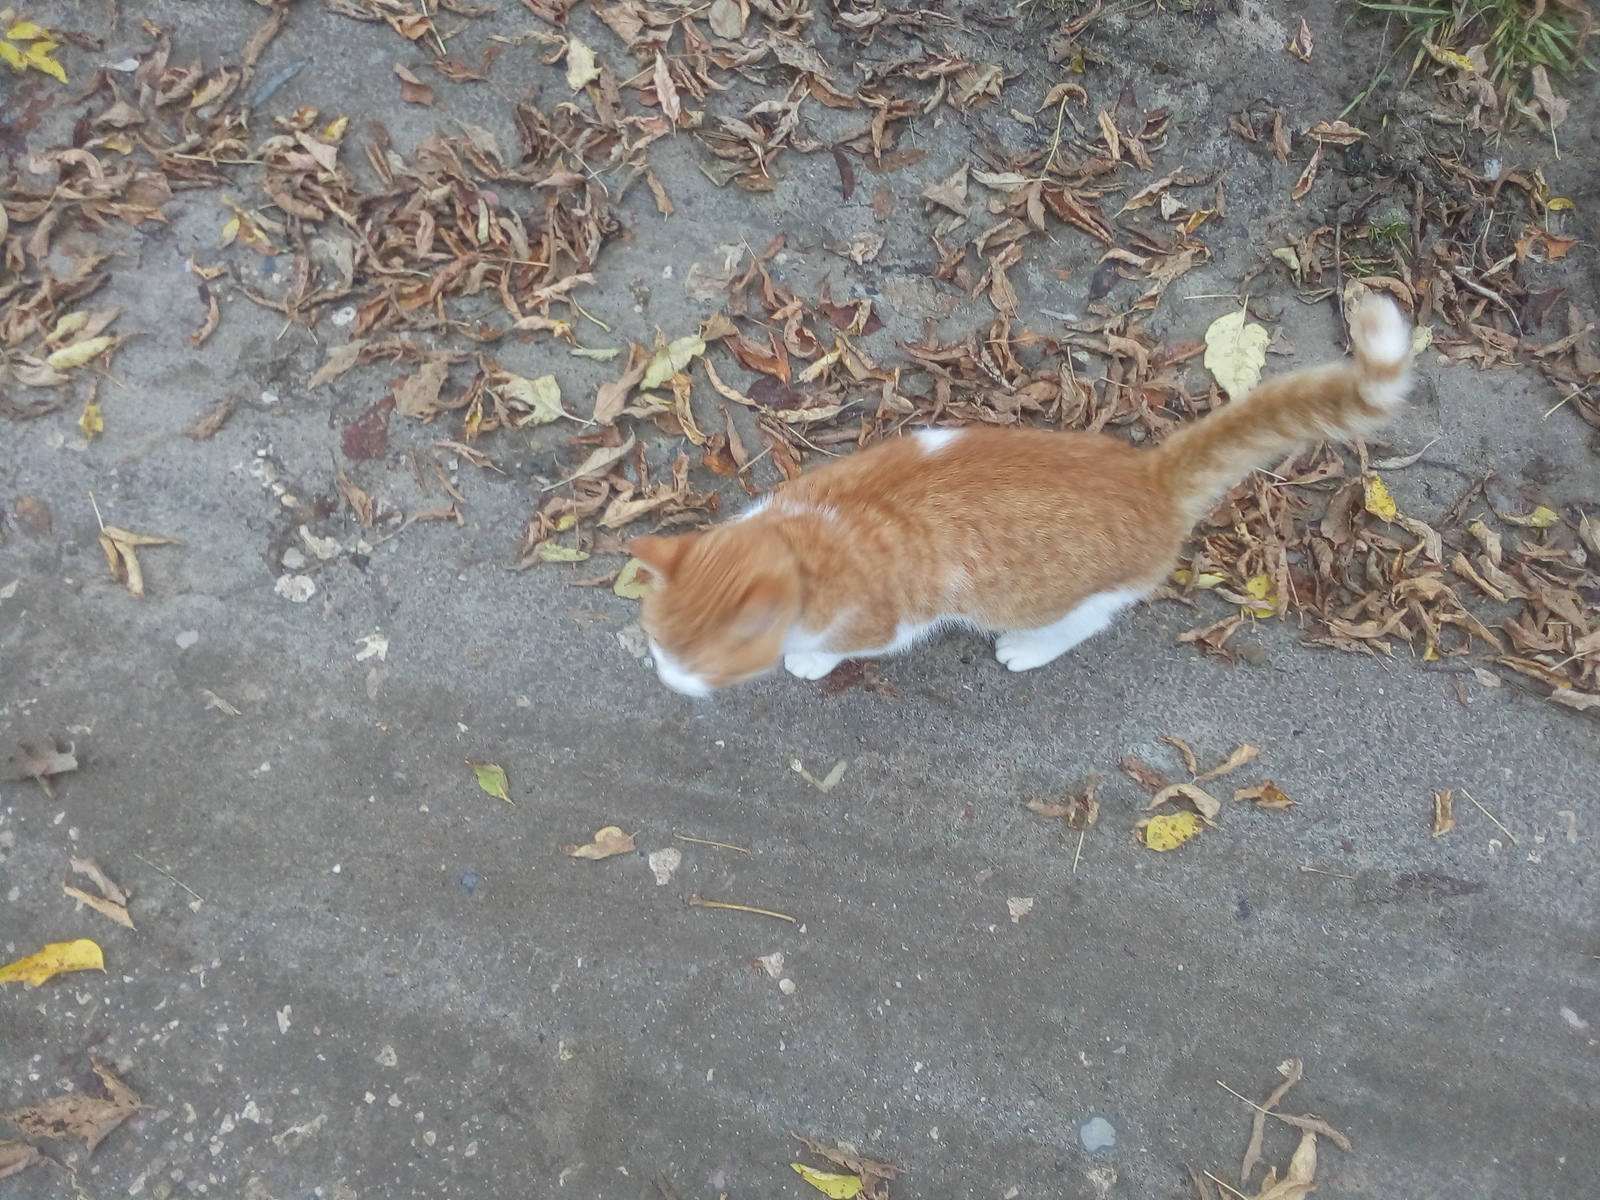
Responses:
[1097,1134]
[469,883]
[187,638]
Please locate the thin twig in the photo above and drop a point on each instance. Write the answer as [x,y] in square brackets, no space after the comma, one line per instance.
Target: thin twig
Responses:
[1320,871]
[1246,1099]
[1229,1186]
[170,876]
[684,837]
[696,902]
[1574,392]
[1491,817]
[1082,833]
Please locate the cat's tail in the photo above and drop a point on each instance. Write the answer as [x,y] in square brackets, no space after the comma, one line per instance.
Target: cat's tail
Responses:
[1199,463]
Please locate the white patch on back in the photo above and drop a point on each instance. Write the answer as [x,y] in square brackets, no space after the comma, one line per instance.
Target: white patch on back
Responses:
[756,509]
[675,675]
[1024,649]
[934,440]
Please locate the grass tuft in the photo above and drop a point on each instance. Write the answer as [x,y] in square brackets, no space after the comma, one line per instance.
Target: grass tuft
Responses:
[1516,35]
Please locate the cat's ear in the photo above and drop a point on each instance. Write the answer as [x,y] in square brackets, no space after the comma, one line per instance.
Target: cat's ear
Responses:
[760,608]
[662,555]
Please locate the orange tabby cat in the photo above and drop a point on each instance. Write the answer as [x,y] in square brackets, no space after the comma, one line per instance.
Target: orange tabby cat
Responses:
[1038,537]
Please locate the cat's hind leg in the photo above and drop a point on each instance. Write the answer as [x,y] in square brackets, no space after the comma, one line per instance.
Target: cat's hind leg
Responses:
[1025,649]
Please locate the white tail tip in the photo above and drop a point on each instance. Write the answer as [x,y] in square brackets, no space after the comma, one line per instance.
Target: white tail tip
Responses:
[1380,331]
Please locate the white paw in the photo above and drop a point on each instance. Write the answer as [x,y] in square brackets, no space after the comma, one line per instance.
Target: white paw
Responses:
[1022,650]
[811,664]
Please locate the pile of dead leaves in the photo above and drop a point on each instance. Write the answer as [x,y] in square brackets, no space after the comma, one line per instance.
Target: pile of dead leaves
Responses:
[866,1179]
[1299,1178]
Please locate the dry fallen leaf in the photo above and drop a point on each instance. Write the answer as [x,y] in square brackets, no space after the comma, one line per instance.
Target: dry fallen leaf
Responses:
[869,1172]
[951,192]
[118,545]
[1443,819]
[80,1116]
[16,1157]
[1308,177]
[1266,795]
[581,68]
[418,395]
[1143,773]
[728,19]
[1575,699]
[210,422]
[1303,44]
[54,959]
[1290,1069]
[1555,108]
[1378,501]
[607,842]
[116,912]
[599,459]
[1190,762]
[1203,800]
[491,779]
[40,765]
[1236,352]
[1245,753]
[825,784]
[412,89]
[671,359]
[628,585]
[96,874]
[1169,831]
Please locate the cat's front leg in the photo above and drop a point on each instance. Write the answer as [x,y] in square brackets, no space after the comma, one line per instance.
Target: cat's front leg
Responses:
[811,664]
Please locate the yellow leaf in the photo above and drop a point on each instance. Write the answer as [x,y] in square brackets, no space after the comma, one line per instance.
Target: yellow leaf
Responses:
[671,359]
[1448,58]
[1206,579]
[39,59]
[541,397]
[68,325]
[1560,204]
[229,232]
[1259,587]
[1542,518]
[830,1183]
[1379,502]
[628,585]
[550,552]
[334,133]
[79,353]
[1235,353]
[1171,830]
[491,779]
[26,31]
[81,955]
[607,842]
[581,69]
[91,422]
[13,57]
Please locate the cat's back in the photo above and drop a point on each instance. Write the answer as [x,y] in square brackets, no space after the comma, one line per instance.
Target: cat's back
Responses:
[942,467]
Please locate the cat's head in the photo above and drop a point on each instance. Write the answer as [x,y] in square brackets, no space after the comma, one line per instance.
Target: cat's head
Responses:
[718,607]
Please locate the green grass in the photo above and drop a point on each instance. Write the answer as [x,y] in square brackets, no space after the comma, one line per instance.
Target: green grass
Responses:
[1515,34]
